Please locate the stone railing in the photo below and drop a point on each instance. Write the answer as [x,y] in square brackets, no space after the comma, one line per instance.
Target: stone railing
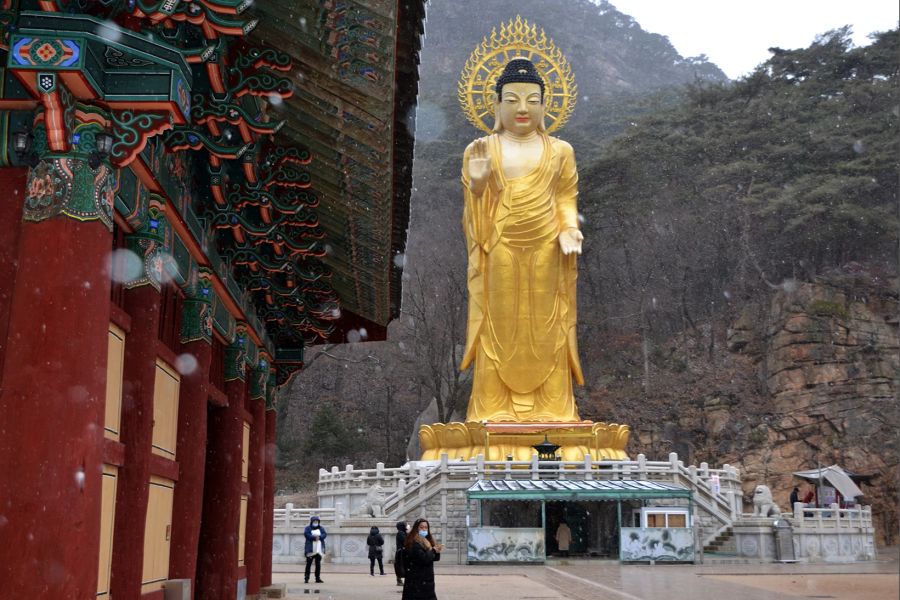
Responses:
[817,534]
[717,492]
[834,518]
[298,518]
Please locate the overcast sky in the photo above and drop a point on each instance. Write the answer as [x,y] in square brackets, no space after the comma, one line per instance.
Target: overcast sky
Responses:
[736,34]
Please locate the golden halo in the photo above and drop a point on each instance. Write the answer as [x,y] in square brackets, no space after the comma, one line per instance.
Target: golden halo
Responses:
[516,39]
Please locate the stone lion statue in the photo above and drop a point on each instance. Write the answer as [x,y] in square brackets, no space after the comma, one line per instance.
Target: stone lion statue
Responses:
[763,504]
[373,506]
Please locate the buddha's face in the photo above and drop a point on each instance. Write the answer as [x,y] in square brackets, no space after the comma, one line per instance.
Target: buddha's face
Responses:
[521,110]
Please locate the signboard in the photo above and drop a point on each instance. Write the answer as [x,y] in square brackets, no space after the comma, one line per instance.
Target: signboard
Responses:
[506,544]
[827,495]
[674,544]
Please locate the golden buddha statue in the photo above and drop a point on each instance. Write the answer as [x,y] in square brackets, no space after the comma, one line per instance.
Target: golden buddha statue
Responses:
[521,225]
[520,220]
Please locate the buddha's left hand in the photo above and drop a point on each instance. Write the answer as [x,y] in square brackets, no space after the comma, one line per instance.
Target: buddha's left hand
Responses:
[570,241]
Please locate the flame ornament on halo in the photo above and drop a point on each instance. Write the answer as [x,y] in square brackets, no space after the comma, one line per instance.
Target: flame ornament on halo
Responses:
[516,39]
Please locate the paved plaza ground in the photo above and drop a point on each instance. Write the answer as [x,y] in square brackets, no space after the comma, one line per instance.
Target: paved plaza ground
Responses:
[609,580]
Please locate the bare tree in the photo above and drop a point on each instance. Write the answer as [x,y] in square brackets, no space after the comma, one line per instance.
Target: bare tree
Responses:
[435,324]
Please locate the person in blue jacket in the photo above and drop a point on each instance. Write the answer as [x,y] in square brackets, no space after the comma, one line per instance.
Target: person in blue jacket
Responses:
[315,547]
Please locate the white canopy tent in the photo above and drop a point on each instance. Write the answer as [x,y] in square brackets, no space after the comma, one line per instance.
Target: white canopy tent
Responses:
[834,476]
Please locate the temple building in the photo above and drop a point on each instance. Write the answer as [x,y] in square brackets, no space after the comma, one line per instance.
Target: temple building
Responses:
[193,191]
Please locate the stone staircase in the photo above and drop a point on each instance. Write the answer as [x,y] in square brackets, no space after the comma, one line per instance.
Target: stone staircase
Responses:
[722,545]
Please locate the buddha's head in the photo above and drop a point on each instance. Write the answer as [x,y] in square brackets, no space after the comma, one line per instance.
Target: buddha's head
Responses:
[519,101]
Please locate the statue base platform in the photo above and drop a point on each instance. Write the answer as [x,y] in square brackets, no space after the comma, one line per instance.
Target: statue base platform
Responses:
[498,441]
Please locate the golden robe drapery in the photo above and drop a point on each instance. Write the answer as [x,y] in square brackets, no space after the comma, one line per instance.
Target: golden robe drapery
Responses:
[521,322]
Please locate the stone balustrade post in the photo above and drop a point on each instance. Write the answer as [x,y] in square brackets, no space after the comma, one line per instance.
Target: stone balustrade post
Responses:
[642,466]
[732,472]
[588,467]
[420,482]
[535,467]
[479,466]
[401,496]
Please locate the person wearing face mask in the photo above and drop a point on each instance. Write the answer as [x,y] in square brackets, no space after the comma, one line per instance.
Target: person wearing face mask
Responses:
[420,554]
[398,555]
[315,547]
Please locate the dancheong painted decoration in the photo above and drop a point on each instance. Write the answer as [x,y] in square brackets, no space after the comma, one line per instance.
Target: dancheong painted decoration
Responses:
[271,144]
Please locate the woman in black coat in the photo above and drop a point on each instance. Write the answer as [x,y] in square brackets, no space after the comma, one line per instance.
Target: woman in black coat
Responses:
[375,541]
[420,553]
[398,555]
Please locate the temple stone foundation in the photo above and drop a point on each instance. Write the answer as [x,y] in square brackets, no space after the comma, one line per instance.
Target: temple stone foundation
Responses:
[353,500]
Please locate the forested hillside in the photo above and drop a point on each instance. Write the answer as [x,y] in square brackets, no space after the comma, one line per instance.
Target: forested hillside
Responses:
[738,298]
[743,187]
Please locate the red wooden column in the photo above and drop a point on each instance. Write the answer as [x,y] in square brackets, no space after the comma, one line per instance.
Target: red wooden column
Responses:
[13,181]
[138,381]
[253,555]
[191,451]
[217,571]
[54,386]
[269,501]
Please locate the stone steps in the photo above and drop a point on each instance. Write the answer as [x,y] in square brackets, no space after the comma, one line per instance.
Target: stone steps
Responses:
[724,543]
[729,559]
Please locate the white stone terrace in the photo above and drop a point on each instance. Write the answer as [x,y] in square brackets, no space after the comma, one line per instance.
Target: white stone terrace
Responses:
[437,489]
[405,490]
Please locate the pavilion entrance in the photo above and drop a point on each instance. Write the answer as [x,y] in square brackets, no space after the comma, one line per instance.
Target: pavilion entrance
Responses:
[517,520]
[594,526]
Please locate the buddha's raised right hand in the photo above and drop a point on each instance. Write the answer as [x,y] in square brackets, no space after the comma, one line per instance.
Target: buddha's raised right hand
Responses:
[479,166]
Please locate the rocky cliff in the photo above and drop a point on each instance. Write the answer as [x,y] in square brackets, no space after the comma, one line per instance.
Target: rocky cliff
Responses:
[807,378]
